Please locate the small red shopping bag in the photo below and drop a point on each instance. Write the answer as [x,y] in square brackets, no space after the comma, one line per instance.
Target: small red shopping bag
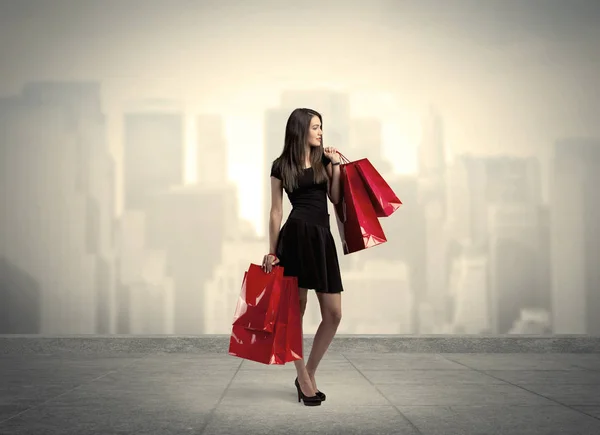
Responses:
[259,299]
[284,343]
[356,217]
[383,198]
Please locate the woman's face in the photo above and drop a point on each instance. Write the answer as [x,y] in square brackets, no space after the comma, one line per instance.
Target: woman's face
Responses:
[315,133]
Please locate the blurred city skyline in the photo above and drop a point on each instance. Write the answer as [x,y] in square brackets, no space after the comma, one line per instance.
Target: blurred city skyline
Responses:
[123,124]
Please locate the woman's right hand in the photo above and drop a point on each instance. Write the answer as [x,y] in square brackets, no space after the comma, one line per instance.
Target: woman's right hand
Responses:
[269,261]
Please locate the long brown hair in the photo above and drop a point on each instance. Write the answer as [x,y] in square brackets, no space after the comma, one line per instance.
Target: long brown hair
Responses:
[290,163]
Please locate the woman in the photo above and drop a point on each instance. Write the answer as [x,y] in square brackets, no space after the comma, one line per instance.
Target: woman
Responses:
[304,246]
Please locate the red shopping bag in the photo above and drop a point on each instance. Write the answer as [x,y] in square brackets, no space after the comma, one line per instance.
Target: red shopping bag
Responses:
[356,217]
[284,343]
[259,299]
[383,198]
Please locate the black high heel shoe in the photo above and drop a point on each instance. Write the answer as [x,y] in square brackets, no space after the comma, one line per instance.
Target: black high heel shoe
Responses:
[308,401]
[321,396]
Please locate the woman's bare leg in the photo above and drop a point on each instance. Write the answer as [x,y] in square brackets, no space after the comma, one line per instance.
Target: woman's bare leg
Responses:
[303,377]
[331,314]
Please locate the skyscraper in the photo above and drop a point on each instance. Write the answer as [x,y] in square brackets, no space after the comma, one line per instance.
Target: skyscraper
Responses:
[189,223]
[494,203]
[211,150]
[516,266]
[153,153]
[432,197]
[58,177]
[575,236]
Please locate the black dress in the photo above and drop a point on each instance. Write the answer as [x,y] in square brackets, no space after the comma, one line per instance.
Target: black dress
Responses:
[305,246]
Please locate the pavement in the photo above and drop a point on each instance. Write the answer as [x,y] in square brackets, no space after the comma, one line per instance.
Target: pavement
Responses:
[374,385]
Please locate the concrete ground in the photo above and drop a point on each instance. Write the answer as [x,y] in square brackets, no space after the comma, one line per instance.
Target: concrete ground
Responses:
[385,385]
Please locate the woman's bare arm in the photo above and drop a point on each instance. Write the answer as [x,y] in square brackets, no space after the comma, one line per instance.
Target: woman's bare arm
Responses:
[335,191]
[276,214]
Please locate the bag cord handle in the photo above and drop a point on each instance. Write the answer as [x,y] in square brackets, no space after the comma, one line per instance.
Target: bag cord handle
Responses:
[344,158]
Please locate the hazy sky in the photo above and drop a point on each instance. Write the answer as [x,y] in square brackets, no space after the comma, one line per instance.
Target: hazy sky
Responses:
[507,76]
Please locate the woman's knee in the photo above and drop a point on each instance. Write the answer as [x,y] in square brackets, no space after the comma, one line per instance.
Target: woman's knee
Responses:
[331,308]
[333,315]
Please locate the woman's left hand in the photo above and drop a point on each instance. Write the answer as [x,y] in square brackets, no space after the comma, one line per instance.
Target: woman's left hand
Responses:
[332,154]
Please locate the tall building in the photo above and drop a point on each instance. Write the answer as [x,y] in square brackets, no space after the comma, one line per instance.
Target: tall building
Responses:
[575,236]
[432,150]
[468,286]
[146,294]
[153,153]
[465,188]
[517,272]
[57,235]
[190,224]
[21,291]
[513,179]
[211,150]
[473,183]
[186,225]
[495,202]
[432,198]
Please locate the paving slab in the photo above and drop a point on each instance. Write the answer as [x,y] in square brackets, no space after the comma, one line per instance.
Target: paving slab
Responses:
[500,420]
[316,420]
[518,361]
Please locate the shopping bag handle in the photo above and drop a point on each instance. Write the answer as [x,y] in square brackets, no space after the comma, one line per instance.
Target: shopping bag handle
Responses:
[344,158]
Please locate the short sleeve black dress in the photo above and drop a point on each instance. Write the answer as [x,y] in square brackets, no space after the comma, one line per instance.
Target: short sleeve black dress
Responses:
[305,246]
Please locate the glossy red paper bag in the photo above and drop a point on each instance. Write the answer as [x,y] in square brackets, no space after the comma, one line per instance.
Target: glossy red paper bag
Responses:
[384,200]
[259,299]
[258,346]
[282,345]
[356,217]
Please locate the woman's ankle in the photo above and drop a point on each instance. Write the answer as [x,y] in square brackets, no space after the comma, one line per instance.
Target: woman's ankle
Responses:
[303,373]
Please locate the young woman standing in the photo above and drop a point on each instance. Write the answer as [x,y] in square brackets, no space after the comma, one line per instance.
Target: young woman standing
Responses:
[304,246]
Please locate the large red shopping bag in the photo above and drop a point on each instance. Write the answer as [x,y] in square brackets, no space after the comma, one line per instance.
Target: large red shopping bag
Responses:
[259,299]
[383,198]
[356,217]
[282,345]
